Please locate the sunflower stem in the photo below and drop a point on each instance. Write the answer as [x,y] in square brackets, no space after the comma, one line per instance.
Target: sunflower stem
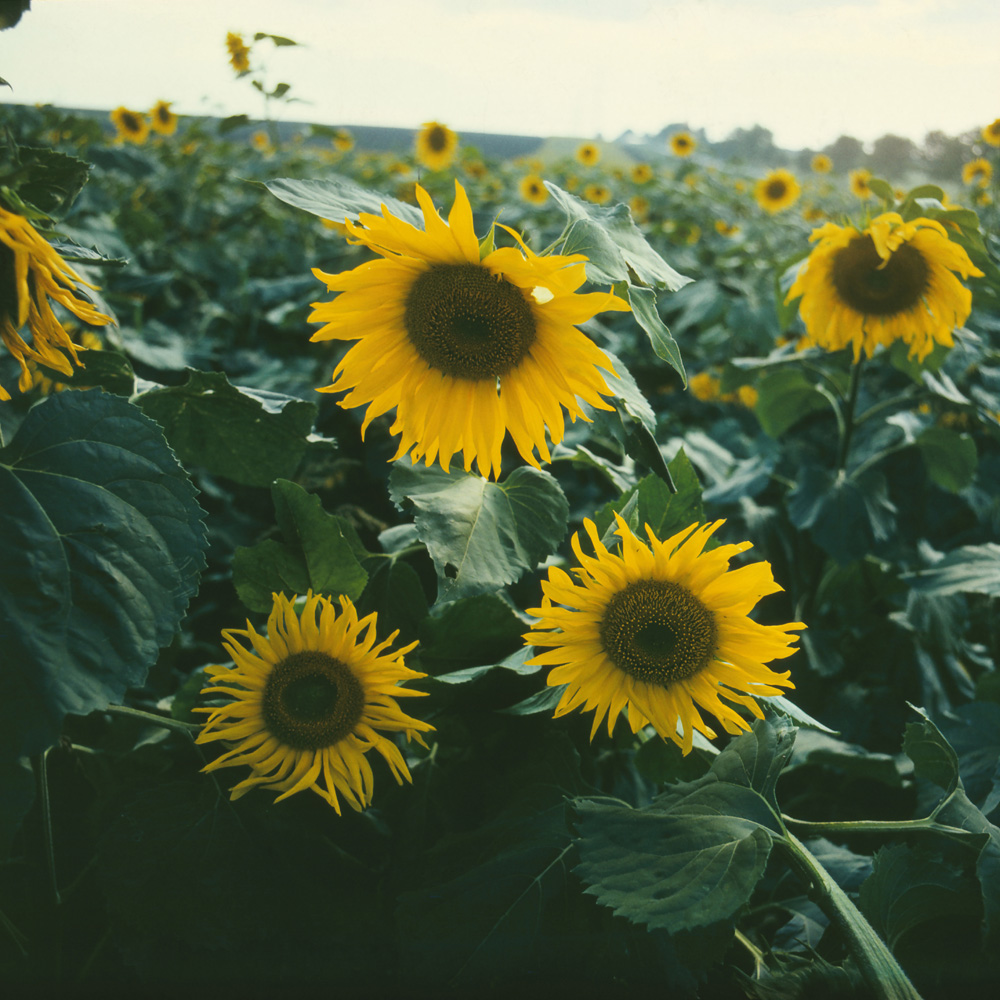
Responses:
[849,421]
[875,826]
[46,806]
[879,969]
[16,936]
[156,720]
[759,965]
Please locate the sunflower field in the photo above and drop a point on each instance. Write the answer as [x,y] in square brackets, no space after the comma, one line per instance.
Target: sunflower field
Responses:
[428,573]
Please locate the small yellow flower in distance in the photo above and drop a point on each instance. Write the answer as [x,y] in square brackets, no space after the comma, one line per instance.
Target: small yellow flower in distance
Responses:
[724,228]
[813,213]
[777,191]
[261,141]
[161,119]
[660,633]
[977,172]
[239,54]
[343,141]
[533,190]
[822,164]
[991,133]
[132,126]
[641,173]
[639,207]
[436,145]
[588,154]
[704,386]
[597,193]
[682,144]
[859,182]
[748,396]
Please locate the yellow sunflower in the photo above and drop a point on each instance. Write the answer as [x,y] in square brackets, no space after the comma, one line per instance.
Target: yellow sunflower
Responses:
[239,53]
[310,699]
[162,120]
[991,133]
[343,141]
[822,164]
[704,386]
[891,281]
[682,144]
[464,349]
[660,631]
[724,228]
[588,154]
[859,182]
[533,190]
[977,172]
[132,126]
[641,173]
[597,193]
[777,191]
[32,276]
[639,207]
[436,145]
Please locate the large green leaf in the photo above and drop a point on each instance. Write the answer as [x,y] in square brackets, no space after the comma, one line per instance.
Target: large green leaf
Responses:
[318,553]
[338,198]
[971,569]
[470,631]
[643,303]
[481,535]
[784,397]
[101,547]
[950,457]
[248,435]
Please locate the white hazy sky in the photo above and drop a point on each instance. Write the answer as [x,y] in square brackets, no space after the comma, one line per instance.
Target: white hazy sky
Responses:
[809,70]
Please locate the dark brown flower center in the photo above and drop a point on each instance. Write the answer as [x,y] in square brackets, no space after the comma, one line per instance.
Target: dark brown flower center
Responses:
[776,190]
[658,632]
[467,322]
[437,139]
[875,290]
[312,701]
[130,122]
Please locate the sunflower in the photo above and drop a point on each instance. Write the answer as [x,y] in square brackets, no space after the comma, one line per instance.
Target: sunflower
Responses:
[239,53]
[822,164]
[777,191]
[464,349]
[704,386]
[724,228]
[639,207]
[343,141]
[641,173]
[597,193]
[859,182]
[533,190]
[991,133]
[662,629]
[132,126]
[977,172]
[588,154]
[436,145]
[162,119]
[892,281]
[682,144]
[310,699]
[32,274]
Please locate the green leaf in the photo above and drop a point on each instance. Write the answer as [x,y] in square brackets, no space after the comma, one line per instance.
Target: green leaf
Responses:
[52,179]
[17,792]
[541,701]
[665,512]
[971,569]
[106,370]
[950,457]
[812,747]
[784,398]
[472,630]
[233,122]
[616,248]
[279,40]
[623,387]
[395,593]
[248,435]
[337,198]
[481,535]
[101,547]
[643,303]
[516,663]
[316,553]
[933,756]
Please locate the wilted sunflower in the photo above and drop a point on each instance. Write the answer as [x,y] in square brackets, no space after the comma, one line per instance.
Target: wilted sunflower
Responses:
[859,182]
[133,126]
[310,699]
[991,133]
[588,154]
[682,143]
[777,191]
[597,193]
[641,173]
[662,631]
[436,145]
[822,164]
[977,172]
[32,274]
[162,119]
[533,189]
[464,349]
[891,281]
[239,53]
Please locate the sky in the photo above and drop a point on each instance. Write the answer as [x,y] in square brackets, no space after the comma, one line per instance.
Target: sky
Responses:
[808,70]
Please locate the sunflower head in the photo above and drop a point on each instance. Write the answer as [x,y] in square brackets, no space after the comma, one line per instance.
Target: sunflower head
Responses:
[588,154]
[891,281]
[724,228]
[161,119]
[239,52]
[639,207]
[978,172]
[343,141]
[309,700]
[641,173]
[435,146]
[991,133]
[682,144]
[599,194]
[533,190]
[858,180]
[465,349]
[132,126]
[822,164]
[660,632]
[777,191]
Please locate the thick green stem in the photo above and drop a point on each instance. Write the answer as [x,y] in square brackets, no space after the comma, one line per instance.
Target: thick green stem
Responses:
[849,422]
[874,826]
[156,720]
[875,962]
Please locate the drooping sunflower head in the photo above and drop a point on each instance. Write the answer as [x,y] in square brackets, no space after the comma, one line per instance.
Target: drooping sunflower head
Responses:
[309,700]
[660,632]
[132,126]
[533,190]
[777,191]
[991,133]
[32,277]
[891,281]
[161,119]
[239,52]
[978,172]
[465,349]
[822,164]
[641,173]
[858,180]
[599,194]
[436,145]
[588,154]
[682,144]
